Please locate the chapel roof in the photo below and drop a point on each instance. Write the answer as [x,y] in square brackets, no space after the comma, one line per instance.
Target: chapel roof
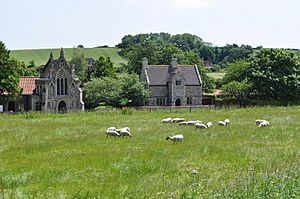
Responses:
[27,84]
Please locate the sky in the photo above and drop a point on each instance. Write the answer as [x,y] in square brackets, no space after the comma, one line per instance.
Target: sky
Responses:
[29,24]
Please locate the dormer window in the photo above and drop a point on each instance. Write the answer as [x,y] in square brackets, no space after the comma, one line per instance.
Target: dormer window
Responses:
[178,82]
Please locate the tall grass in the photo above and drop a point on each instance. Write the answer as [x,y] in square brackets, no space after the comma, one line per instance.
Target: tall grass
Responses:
[69,155]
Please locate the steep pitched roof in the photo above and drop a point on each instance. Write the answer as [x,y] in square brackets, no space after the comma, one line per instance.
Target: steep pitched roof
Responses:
[27,84]
[159,74]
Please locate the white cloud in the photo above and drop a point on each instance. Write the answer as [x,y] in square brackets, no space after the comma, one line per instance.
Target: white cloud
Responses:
[192,3]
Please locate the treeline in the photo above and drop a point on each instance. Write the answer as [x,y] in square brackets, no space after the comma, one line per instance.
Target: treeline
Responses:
[188,43]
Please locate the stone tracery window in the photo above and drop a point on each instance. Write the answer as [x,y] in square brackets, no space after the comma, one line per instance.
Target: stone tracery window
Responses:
[61,83]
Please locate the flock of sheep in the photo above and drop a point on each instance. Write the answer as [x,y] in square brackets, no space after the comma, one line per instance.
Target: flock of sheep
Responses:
[199,124]
[113,131]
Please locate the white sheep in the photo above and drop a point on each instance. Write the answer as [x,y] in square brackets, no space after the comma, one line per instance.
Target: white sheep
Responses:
[111,129]
[194,122]
[182,123]
[264,123]
[209,124]
[112,133]
[123,129]
[257,122]
[178,120]
[167,120]
[175,138]
[221,123]
[125,133]
[200,126]
[227,121]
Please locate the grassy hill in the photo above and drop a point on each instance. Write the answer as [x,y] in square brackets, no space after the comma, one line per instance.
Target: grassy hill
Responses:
[69,155]
[40,56]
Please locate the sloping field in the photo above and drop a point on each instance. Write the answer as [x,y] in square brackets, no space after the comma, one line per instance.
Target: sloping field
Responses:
[40,56]
[69,155]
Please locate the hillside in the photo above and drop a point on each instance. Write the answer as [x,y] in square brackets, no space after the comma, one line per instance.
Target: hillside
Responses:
[40,56]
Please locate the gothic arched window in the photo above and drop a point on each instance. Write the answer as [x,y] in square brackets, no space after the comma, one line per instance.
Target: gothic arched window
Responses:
[61,83]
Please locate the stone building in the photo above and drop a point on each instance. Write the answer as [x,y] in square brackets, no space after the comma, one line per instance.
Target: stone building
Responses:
[57,89]
[172,85]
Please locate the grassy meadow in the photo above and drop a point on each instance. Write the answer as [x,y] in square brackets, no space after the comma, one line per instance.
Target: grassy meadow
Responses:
[69,155]
[216,75]
[41,56]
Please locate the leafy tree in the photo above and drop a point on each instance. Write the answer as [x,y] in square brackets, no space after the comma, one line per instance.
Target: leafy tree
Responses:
[133,90]
[236,71]
[99,90]
[115,92]
[237,89]
[186,41]
[80,63]
[10,73]
[103,68]
[275,74]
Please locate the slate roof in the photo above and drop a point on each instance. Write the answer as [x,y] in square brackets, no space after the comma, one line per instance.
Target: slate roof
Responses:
[159,74]
[27,84]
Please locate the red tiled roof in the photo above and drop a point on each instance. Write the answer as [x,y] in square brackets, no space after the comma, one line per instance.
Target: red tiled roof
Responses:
[27,84]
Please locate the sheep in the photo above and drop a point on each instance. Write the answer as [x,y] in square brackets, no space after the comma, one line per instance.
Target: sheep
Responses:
[194,122]
[182,123]
[121,129]
[167,120]
[125,133]
[257,122]
[198,121]
[227,121]
[209,124]
[221,123]
[264,123]
[175,138]
[178,120]
[111,129]
[200,126]
[112,133]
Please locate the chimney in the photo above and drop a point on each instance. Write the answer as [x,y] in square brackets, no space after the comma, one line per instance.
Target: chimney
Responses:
[174,63]
[145,62]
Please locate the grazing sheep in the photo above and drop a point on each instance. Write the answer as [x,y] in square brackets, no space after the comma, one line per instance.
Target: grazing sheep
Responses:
[123,129]
[167,120]
[125,133]
[221,123]
[227,121]
[111,129]
[178,120]
[264,123]
[194,122]
[175,138]
[200,126]
[183,123]
[257,122]
[112,133]
[209,124]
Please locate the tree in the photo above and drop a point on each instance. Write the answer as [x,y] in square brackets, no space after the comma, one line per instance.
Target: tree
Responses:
[103,68]
[238,90]
[133,90]
[275,74]
[236,71]
[114,92]
[10,73]
[80,63]
[106,89]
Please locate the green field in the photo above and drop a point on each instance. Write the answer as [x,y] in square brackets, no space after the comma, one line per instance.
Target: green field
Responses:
[41,56]
[216,75]
[69,155]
